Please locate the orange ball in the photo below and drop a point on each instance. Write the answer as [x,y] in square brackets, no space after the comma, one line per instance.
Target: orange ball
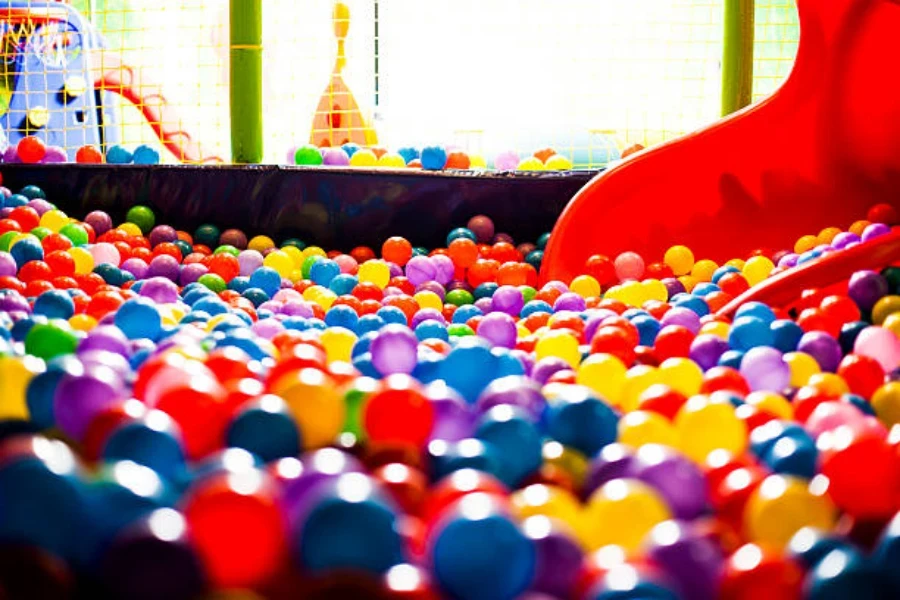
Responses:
[224,265]
[88,155]
[463,252]
[544,153]
[362,253]
[458,160]
[31,149]
[483,271]
[504,252]
[397,250]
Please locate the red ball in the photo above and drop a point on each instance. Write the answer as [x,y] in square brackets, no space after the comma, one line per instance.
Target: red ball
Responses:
[752,573]
[26,217]
[673,341]
[863,473]
[7,225]
[483,271]
[224,265]
[403,284]
[840,308]
[602,269]
[197,409]
[883,213]
[815,319]
[658,270]
[36,288]
[102,303]
[237,527]
[724,378]
[170,249]
[397,250]
[516,274]
[458,485]
[504,252]
[807,399]
[88,155]
[229,363]
[863,374]
[31,149]
[406,484]
[734,284]
[661,399]
[35,270]
[8,282]
[610,339]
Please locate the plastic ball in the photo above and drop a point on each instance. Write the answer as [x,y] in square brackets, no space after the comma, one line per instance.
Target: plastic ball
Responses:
[706,424]
[266,428]
[307,155]
[622,512]
[119,155]
[433,158]
[145,155]
[317,406]
[782,505]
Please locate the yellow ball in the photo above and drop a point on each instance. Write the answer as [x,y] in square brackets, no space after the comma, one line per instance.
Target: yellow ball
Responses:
[892,323]
[641,427]
[391,160]
[22,236]
[325,299]
[782,505]
[130,229]
[682,375]
[547,501]
[680,259]
[885,307]
[757,269]
[477,161]
[559,344]
[703,270]
[338,343]
[296,255]
[54,220]
[705,425]
[654,289]
[859,226]
[631,293]
[637,379]
[363,158]
[84,262]
[886,402]
[688,281]
[82,322]
[428,299]
[622,512]
[558,163]
[605,374]
[771,403]
[317,406]
[295,275]
[831,383]
[530,164]
[15,374]
[281,262]
[737,263]
[260,243]
[805,244]
[522,331]
[311,293]
[572,462]
[716,328]
[827,235]
[313,251]
[374,271]
[802,366]
[585,286]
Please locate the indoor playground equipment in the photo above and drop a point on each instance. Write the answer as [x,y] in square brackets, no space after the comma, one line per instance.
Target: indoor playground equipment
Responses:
[802,159]
[58,81]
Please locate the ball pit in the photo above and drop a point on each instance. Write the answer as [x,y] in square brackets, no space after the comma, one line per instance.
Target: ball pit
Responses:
[239,413]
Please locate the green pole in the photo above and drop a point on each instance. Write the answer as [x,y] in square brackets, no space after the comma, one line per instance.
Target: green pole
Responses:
[245,87]
[737,57]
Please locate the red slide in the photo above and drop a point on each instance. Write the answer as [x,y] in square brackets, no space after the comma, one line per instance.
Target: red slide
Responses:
[111,74]
[818,153]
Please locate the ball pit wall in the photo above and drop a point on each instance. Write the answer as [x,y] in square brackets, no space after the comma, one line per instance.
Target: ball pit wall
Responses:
[335,208]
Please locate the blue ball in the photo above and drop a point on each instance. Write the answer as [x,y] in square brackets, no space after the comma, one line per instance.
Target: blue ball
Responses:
[695,303]
[239,284]
[241,337]
[471,453]
[480,554]
[54,304]
[352,527]
[15,201]
[266,279]
[466,312]
[265,428]
[485,290]
[119,155]
[749,332]
[886,557]
[809,546]
[369,323]
[581,420]
[469,367]
[342,316]
[409,154]
[138,318]
[723,271]
[110,274]
[786,334]
[350,149]
[844,573]
[40,390]
[432,330]
[343,284]
[434,158]
[145,155]
[864,406]
[792,455]
[392,314]
[362,343]
[460,232]
[531,307]
[704,289]
[153,440]
[27,250]
[33,192]
[21,327]
[519,443]
[255,295]
[849,333]
[535,258]
[364,365]
[647,327]
[324,271]
[756,309]
[731,358]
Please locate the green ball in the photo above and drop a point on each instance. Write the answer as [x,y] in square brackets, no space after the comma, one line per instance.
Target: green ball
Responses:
[33,192]
[40,232]
[308,155]
[420,251]
[528,292]
[308,262]
[299,244]
[6,239]
[142,216]
[51,339]
[225,248]
[459,330]
[213,282]
[459,297]
[355,399]
[892,274]
[76,234]
[208,235]
[542,241]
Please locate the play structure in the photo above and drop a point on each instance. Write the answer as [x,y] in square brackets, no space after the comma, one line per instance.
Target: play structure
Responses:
[60,79]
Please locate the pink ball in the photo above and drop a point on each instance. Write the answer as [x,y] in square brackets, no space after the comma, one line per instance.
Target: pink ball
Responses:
[629,266]
[828,416]
[335,157]
[881,344]
[506,161]
[105,253]
[347,264]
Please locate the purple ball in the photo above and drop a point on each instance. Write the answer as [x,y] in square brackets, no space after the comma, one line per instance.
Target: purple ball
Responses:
[160,290]
[875,230]
[514,390]
[841,240]
[706,349]
[678,480]
[295,308]
[482,227]
[432,286]
[866,288]
[5,191]
[569,301]
[444,268]
[454,419]
[40,206]
[499,329]
[673,286]
[55,155]
[683,317]
[100,221]
[78,398]
[595,319]
[191,273]
[428,314]
[484,304]
[545,368]
[267,328]
[789,260]
[164,266]
[115,361]
[162,234]
[764,369]
[13,301]
[823,348]
[300,479]
[394,350]
[11,155]
[335,157]
[8,266]
[249,261]
[136,267]
[420,269]
[526,359]
[508,299]
[693,562]
[615,461]
[559,558]
[272,305]
[105,337]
